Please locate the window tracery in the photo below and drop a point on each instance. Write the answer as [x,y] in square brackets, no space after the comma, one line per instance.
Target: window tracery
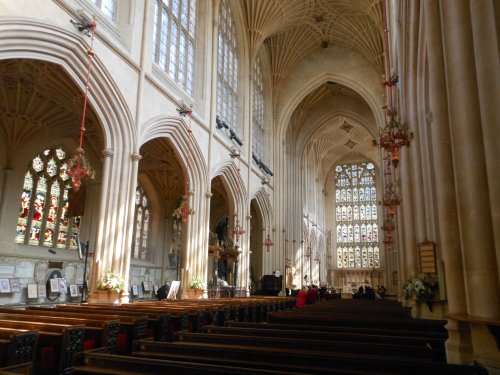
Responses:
[43,218]
[142,225]
[174,40]
[356,216]
[258,111]
[227,68]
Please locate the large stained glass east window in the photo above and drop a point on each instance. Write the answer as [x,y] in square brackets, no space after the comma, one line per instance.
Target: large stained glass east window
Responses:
[356,216]
[227,68]
[43,213]
[142,224]
[174,40]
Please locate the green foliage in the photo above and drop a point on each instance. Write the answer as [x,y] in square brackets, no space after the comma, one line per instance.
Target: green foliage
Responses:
[197,283]
[421,289]
[111,281]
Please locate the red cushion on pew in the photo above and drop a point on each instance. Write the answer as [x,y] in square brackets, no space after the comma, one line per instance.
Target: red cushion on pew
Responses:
[122,342]
[47,360]
[88,344]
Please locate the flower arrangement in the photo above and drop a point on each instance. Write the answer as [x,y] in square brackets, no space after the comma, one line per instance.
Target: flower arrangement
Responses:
[197,283]
[111,281]
[421,289]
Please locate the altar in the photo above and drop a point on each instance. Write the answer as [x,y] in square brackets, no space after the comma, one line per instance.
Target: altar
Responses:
[223,271]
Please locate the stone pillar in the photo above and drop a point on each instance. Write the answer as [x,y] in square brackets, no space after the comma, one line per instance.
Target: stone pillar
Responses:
[458,346]
[130,227]
[487,61]
[478,247]
[99,265]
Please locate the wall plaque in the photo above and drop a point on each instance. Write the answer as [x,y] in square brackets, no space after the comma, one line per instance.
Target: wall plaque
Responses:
[427,252]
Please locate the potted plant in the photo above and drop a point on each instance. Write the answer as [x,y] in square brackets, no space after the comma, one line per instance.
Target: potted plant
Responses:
[109,288]
[196,287]
[421,289]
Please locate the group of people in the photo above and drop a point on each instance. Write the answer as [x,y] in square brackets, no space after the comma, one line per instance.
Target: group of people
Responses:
[312,294]
[365,291]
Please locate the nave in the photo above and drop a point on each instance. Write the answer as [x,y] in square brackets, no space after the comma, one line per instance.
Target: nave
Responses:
[265,335]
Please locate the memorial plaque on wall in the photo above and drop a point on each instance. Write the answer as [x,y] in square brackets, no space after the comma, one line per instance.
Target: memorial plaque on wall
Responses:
[427,251]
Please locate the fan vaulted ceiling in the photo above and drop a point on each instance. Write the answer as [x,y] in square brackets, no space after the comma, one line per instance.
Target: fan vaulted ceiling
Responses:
[290,31]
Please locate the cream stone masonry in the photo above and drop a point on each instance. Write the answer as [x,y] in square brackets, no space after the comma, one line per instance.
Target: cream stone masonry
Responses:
[325,67]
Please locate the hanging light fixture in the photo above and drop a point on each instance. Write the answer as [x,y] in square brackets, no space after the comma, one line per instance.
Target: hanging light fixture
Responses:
[394,136]
[391,200]
[268,242]
[238,229]
[79,166]
[184,111]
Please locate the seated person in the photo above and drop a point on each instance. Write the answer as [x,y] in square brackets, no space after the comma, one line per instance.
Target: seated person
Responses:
[162,292]
[301,297]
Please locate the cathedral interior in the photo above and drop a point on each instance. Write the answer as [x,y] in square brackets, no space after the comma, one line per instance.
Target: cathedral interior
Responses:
[251,147]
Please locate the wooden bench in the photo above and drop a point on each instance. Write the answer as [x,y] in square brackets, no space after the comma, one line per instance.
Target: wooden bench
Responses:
[157,322]
[162,323]
[436,346]
[17,346]
[347,329]
[21,368]
[332,346]
[132,327]
[309,361]
[98,332]
[57,343]
[96,363]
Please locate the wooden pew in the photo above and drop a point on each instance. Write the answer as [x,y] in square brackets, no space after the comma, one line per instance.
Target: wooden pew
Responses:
[132,326]
[332,346]
[17,346]
[347,329]
[97,363]
[309,361]
[57,343]
[434,346]
[21,368]
[98,332]
[160,324]
[145,324]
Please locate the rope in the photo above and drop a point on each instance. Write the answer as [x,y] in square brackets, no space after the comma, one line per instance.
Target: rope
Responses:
[90,54]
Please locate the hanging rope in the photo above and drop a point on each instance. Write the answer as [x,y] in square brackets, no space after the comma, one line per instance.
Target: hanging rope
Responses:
[79,167]
[238,230]
[185,209]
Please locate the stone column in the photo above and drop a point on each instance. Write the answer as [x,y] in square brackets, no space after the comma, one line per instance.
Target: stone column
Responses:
[478,247]
[487,61]
[130,227]
[99,265]
[458,346]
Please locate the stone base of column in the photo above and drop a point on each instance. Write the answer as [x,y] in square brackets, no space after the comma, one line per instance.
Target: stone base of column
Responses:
[459,345]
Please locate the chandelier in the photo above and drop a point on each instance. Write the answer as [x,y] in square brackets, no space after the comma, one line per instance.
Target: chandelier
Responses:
[268,242]
[394,136]
[186,210]
[391,200]
[79,167]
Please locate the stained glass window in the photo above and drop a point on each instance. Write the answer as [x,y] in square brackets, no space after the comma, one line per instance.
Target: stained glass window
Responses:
[43,214]
[142,225]
[258,111]
[174,40]
[227,68]
[108,7]
[356,216]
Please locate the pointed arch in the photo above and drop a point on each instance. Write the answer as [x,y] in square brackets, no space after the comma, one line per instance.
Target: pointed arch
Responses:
[229,173]
[265,207]
[177,131]
[69,50]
